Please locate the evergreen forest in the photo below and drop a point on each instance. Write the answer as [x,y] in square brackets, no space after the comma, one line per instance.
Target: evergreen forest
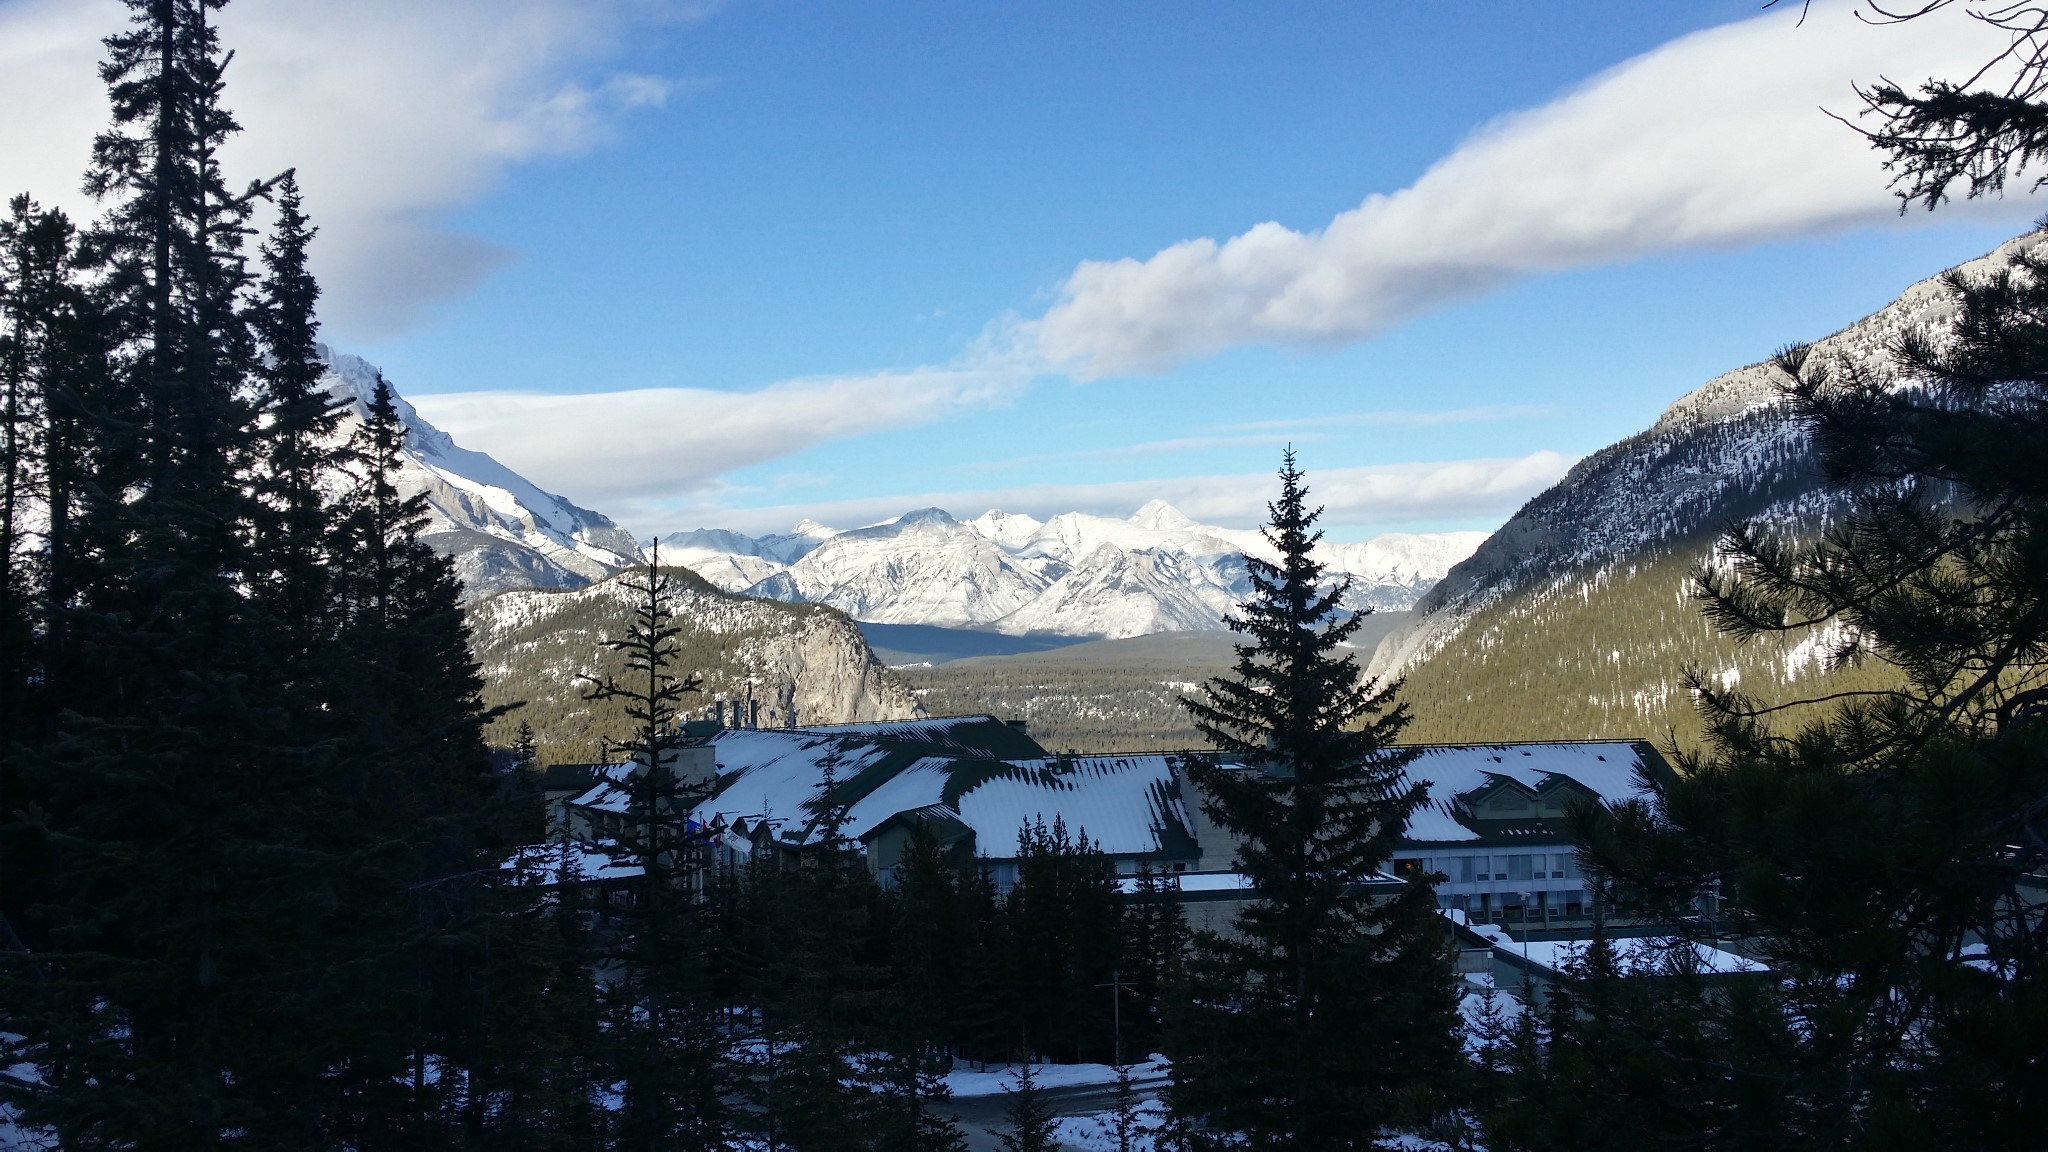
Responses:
[275,870]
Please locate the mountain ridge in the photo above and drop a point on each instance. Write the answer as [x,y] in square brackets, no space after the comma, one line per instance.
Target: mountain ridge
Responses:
[1523,616]
[503,531]
[1073,574]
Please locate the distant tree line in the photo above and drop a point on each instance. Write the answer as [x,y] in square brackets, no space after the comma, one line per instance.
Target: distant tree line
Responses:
[1079,707]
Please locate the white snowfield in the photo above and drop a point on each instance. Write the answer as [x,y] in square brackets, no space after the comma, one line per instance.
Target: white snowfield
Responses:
[1076,574]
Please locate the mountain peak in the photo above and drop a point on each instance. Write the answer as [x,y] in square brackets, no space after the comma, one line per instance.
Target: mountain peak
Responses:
[926,516]
[1162,517]
[1009,529]
[501,530]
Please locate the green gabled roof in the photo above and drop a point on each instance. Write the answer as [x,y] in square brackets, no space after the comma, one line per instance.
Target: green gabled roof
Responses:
[569,777]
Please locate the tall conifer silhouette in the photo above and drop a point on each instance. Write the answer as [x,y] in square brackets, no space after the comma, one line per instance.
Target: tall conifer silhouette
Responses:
[1304,1030]
[664,1051]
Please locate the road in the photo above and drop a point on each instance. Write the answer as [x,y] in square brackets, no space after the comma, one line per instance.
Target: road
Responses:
[978,1114]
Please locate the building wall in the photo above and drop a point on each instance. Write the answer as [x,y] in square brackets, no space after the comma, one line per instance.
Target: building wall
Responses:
[1531,884]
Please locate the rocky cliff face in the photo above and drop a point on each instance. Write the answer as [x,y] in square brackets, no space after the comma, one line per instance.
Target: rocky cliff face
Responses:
[798,663]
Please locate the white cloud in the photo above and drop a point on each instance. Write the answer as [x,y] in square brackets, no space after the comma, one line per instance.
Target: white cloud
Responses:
[1716,138]
[619,451]
[393,111]
[1379,496]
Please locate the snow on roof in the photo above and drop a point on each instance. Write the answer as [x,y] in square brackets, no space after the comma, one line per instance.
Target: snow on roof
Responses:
[1647,952]
[776,773]
[1191,882]
[545,863]
[1632,952]
[1121,802]
[922,785]
[609,793]
[1607,767]
[973,735]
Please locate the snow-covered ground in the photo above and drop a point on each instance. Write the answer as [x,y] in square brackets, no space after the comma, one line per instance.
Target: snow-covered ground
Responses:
[995,1079]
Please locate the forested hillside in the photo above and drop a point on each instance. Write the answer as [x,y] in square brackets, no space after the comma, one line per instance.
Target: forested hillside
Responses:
[1103,696]
[1602,653]
[1574,619]
[802,663]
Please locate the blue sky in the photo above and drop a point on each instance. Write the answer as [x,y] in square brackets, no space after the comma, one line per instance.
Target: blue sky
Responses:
[730,265]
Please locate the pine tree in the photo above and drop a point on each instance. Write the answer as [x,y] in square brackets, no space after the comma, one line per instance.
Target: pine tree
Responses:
[165,798]
[1308,1028]
[666,1055]
[1871,853]
[1978,132]
[1064,927]
[1155,958]
[1029,1123]
[296,441]
[1878,856]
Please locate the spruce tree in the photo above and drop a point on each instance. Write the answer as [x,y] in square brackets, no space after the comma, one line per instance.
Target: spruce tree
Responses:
[820,1004]
[1880,856]
[925,936]
[166,795]
[1313,1024]
[47,320]
[407,806]
[667,1062]
[296,444]
[1155,959]
[985,1024]
[1064,927]
[1029,1122]
[1126,1122]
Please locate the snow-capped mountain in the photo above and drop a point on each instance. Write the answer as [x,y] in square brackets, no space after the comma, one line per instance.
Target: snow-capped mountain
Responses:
[1075,574]
[502,531]
[1728,451]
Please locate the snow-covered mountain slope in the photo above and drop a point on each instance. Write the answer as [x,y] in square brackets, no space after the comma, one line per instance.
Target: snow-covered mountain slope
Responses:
[922,568]
[1123,592]
[1075,574]
[1727,451]
[501,530]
